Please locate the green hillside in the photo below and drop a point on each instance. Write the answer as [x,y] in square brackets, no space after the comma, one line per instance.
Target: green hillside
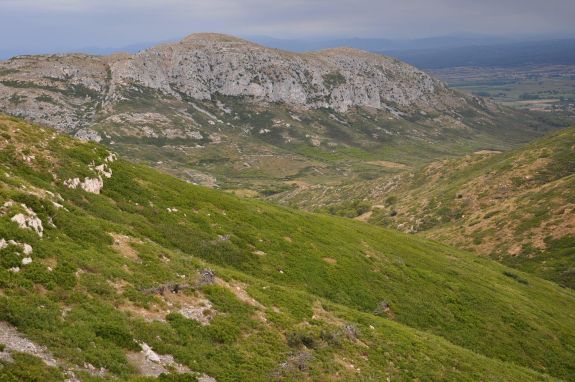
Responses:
[296,296]
[517,207]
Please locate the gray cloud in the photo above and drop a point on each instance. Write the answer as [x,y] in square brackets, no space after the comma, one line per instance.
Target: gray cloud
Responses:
[64,24]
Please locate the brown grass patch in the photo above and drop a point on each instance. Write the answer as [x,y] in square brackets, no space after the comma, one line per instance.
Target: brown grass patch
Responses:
[123,245]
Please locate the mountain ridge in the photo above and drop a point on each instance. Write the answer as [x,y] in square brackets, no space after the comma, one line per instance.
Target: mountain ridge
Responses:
[294,78]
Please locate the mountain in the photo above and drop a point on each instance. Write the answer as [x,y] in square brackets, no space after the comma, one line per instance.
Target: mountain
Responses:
[516,207]
[110,269]
[203,65]
[221,111]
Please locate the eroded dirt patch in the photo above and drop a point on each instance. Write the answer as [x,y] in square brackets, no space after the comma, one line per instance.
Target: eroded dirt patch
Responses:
[239,290]
[193,306]
[123,245]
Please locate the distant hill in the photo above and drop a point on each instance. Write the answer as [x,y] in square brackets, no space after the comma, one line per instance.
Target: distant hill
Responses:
[553,52]
[114,270]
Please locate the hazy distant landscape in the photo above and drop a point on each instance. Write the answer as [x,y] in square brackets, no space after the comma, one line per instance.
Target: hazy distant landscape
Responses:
[538,76]
[544,88]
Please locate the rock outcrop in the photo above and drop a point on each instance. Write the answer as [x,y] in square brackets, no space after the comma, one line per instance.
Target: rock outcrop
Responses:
[71,92]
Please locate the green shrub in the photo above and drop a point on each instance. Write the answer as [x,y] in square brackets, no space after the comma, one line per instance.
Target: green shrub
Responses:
[516,277]
[28,368]
[118,335]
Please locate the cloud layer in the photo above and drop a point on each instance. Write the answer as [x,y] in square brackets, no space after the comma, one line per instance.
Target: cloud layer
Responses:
[64,24]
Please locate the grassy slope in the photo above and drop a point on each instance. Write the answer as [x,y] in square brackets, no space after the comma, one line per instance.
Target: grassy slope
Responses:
[454,316]
[516,207]
[519,203]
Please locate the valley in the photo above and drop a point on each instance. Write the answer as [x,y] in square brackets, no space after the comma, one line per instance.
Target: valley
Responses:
[539,88]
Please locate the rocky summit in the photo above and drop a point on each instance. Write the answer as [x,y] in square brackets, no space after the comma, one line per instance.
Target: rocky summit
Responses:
[68,91]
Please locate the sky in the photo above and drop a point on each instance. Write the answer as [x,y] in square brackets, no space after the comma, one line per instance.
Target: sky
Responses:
[38,26]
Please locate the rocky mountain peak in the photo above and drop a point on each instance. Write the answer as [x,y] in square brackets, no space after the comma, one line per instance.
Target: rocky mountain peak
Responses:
[69,91]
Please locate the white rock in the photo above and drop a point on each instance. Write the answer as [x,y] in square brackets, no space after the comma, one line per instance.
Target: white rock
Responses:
[149,353]
[72,183]
[26,261]
[88,135]
[111,158]
[92,185]
[103,170]
[29,221]
[27,249]
[206,378]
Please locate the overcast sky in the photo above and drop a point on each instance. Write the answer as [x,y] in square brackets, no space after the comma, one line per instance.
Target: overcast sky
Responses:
[52,25]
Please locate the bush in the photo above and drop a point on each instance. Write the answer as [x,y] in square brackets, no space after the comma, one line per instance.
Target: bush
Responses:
[348,209]
[28,368]
[297,339]
[516,277]
[223,331]
[390,200]
[118,335]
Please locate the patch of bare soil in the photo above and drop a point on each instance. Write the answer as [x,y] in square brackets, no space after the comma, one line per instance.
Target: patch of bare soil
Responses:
[388,164]
[364,217]
[14,341]
[151,364]
[486,152]
[154,313]
[239,290]
[193,306]
[122,245]
[319,313]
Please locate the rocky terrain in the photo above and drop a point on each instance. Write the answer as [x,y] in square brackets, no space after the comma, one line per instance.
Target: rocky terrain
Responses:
[216,110]
[204,65]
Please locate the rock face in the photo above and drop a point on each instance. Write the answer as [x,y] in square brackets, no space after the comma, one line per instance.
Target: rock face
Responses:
[205,64]
[70,91]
